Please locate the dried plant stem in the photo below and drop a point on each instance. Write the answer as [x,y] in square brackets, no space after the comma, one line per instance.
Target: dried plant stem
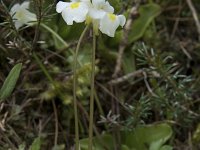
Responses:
[124,42]
[195,15]
[75,87]
[126,77]
[92,94]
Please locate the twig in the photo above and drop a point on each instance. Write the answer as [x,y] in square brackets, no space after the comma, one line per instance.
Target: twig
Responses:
[6,138]
[147,85]
[187,110]
[195,16]
[125,77]
[185,51]
[177,20]
[114,97]
[124,41]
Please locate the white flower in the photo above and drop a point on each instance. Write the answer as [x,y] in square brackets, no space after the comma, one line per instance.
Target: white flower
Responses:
[73,11]
[103,18]
[110,22]
[21,15]
[98,12]
[99,8]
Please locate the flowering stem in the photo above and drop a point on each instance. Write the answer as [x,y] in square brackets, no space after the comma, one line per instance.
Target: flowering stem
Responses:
[75,87]
[92,94]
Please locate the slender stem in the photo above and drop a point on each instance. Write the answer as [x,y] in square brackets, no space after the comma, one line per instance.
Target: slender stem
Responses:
[56,123]
[100,109]
[98,103]
[43,69]
[92,94]
[55,34]
[75,87]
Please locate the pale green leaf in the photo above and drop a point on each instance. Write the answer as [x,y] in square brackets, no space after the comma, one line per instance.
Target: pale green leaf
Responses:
[147,13]
[10,82]
[36,145]
[166,147]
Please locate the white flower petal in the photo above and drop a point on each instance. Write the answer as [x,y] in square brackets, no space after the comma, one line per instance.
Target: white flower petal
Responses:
[76,11]
[109,24]
[99,8]
[67,17]
[122,20]
[14,9]
[25,5]
[61,5]
[18,24]
[85,0]
[29,17]
[98,3]
[96,14]
[108,8]
[79,14]
[21,15]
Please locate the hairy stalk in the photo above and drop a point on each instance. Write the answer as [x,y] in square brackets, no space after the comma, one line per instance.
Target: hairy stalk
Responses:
[92,94]
[75,87]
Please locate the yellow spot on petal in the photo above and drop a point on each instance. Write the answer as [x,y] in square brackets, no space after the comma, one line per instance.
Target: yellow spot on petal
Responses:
[19,15]
[112,17]
[75,5]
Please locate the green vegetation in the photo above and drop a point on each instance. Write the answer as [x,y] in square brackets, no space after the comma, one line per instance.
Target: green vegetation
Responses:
[146,87]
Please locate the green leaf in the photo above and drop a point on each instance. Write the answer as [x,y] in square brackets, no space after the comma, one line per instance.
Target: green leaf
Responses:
[22,146]
[124,147]
[166,147]
[196,135]
[59,147]
[100,143]
[36,144]
[10,82]
[150,137]
[147,14]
